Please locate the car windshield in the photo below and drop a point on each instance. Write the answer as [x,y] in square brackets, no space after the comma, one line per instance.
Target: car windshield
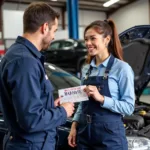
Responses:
[60,79]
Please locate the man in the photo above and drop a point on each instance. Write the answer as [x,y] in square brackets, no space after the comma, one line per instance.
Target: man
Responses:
[26,94]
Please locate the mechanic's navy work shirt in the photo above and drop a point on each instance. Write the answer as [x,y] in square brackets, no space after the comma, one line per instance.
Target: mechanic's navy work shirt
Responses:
[27,94]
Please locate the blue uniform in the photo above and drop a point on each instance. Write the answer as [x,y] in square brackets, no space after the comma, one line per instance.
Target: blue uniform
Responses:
[101,126]
[27,99]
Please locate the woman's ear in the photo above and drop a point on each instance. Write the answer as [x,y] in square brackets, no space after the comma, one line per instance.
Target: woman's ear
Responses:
[107,40]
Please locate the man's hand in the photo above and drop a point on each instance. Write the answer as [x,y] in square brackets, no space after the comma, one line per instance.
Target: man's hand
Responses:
[57,102]
[69,107]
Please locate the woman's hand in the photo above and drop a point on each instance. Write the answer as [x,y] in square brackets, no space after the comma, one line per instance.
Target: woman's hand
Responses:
[93,92]
[72,135]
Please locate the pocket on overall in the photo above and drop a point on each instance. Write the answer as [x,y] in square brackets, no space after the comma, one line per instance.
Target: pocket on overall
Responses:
[103,132]
[114,132]
[112,128]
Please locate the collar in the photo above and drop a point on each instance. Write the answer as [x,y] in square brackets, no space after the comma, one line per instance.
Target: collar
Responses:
[104,63]
[29,45]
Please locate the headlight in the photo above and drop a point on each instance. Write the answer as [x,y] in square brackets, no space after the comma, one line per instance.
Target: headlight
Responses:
[138,143]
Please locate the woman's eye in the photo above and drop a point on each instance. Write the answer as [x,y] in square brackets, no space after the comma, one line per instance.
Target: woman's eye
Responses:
[92,39]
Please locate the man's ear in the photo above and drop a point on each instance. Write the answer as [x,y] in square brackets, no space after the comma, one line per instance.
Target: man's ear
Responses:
[44,28]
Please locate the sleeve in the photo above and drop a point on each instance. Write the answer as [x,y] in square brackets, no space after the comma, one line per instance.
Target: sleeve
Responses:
[125,105]
[23,78]
[78,112]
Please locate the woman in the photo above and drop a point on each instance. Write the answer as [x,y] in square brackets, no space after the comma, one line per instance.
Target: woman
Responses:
[110,87]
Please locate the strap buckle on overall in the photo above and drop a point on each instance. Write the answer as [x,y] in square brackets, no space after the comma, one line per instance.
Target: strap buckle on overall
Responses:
[89,118]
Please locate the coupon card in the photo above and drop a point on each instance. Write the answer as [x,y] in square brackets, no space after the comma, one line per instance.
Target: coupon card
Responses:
[74,94]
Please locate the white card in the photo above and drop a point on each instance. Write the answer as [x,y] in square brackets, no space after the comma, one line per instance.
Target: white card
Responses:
[74,94]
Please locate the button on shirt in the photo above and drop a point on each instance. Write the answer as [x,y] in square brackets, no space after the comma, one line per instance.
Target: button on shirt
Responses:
[121,85]
[26,93]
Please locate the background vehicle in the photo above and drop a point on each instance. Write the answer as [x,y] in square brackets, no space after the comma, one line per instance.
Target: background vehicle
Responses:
[68,54]
[140,31]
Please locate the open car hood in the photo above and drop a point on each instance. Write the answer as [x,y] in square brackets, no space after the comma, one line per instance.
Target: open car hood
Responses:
[137,54]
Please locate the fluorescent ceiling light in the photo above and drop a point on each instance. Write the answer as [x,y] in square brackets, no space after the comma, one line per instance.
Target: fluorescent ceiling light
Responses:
[54,0]
[107,4]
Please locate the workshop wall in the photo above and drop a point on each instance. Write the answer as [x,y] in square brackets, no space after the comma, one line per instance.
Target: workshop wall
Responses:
[136,13]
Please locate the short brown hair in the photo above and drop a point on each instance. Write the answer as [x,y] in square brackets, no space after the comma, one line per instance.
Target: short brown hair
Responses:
[37,14]
[107,27]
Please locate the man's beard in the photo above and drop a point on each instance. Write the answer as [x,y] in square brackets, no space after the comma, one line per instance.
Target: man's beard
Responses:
[45,45]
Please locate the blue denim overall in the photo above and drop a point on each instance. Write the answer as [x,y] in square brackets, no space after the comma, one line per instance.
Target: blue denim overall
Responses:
[100,128]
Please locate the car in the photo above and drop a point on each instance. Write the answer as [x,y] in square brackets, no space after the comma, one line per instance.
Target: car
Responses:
[137,54]
[139,31]
[68,54]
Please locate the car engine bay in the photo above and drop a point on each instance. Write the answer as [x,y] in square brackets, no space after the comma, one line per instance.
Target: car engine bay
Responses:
[138,124]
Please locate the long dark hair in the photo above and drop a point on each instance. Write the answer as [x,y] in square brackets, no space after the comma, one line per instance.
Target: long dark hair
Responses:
[107,27]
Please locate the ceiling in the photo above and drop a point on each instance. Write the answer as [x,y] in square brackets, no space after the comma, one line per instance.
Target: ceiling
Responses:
[95,5]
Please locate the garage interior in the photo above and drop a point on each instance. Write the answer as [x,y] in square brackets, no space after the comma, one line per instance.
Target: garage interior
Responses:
[132,18]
